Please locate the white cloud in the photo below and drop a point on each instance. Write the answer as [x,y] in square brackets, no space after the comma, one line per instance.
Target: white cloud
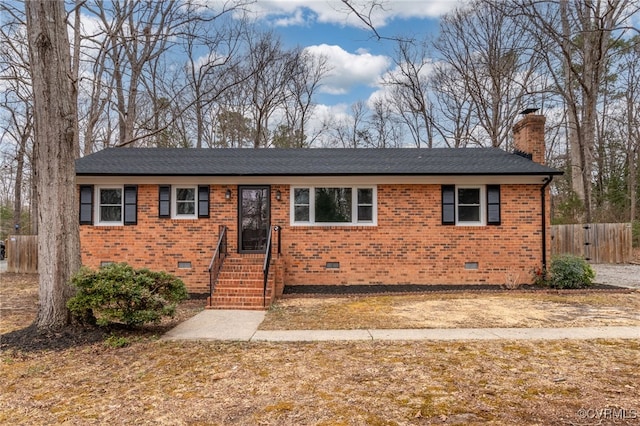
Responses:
[335,11]
[349,69]
[293,19]
[424,9]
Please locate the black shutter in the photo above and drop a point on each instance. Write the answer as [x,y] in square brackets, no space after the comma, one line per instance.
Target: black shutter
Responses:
[164,201]
[130,205]
[86,204]
[203,201]
[493,204]
[448,204]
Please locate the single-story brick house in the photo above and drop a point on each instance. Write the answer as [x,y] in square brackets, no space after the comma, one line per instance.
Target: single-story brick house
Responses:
[342,216]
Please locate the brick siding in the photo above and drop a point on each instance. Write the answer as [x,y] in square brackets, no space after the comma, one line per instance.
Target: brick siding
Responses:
[409,244]
[528,137]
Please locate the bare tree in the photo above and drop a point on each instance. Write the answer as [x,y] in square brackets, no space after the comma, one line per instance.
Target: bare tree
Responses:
[383,129]
[347,130]
[137,34]
[17,127]
[211,74]
[410,90]
[55,148]
[576,39]
[94,94]
[487,49]
[454,116]
[128,73]
[234,130]
[306,78]
[270,68]
[628,72]
[365,12]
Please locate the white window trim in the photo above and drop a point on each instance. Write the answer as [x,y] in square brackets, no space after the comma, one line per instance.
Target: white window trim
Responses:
[483,206]
[98,220]
[354,206]
[174,202]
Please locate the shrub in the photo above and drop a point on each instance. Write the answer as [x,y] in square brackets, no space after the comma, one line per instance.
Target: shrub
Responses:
[568,271]
[119,293]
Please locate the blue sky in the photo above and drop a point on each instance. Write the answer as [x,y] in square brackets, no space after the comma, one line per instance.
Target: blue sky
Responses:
[357,58]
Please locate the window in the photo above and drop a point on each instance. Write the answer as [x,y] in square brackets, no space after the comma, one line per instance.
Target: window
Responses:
[468,205]
[365,204]
[116,205]
[110,205]
[469,210]
[183,202]
[301,205]
[334,205]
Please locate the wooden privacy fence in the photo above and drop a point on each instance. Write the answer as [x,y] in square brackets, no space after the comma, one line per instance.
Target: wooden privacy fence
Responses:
[22,253]
[596,242]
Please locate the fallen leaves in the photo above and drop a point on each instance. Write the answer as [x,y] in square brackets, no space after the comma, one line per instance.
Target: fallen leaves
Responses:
[464,310]
[320,383]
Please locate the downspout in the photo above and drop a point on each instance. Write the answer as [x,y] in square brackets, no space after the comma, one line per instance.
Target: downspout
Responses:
[546,181]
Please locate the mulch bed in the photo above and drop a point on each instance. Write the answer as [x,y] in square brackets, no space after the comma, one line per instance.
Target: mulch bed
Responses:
[30,339]
[381,289]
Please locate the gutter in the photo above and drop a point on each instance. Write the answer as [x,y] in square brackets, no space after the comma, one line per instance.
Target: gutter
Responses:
[546,181]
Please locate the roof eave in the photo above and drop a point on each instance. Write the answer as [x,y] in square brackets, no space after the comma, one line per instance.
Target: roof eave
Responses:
[230,175]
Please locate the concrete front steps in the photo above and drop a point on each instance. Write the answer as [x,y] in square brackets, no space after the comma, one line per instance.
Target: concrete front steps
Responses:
[241,282]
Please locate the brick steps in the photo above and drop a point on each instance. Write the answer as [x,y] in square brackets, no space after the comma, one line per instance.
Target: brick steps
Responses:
[240,284]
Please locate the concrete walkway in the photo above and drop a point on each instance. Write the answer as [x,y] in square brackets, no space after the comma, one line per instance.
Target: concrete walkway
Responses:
[231,325]
[214,324]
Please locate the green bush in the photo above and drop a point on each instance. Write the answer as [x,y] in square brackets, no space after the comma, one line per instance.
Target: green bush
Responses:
[568,271]
[118,293]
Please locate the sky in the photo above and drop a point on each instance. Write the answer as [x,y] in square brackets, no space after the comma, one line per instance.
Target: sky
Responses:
[356,57]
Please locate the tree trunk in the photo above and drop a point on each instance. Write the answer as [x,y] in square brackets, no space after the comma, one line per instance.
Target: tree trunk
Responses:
[575,145]
[33,190]
[17,199]
[55,148]
[633,154]
[633,182]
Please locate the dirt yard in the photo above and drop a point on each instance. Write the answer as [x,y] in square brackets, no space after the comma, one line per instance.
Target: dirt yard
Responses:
[356,383]
[469,310]
[466,310]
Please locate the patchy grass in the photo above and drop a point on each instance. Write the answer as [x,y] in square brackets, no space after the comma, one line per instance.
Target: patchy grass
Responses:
[149,381]
[466,310]
[319,383]
[18,300]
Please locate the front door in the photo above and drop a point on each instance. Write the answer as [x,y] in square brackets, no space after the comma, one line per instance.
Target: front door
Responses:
[253,218]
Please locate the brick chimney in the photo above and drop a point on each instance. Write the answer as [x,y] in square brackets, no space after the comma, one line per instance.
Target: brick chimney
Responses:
[528,137]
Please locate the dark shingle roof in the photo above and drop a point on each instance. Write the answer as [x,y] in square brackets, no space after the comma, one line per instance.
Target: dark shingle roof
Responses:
[306,162]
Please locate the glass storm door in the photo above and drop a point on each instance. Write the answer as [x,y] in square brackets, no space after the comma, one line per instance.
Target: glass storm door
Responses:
[253,218]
